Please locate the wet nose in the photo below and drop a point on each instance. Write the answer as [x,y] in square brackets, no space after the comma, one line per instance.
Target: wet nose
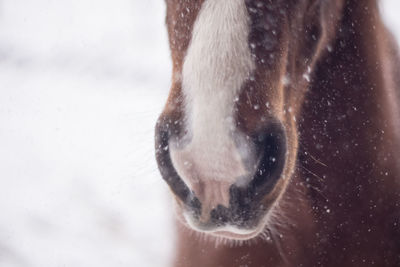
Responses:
[245,205]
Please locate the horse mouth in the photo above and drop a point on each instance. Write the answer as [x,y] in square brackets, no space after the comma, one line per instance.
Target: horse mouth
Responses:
[227,231]
[236,236]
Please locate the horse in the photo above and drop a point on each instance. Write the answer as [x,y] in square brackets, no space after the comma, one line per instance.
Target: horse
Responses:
[280,137]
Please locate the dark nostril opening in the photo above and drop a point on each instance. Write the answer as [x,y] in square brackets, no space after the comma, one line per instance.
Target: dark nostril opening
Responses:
[163,132]
[271,144]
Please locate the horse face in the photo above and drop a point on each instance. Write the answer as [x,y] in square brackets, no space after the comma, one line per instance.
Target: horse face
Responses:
[226,142]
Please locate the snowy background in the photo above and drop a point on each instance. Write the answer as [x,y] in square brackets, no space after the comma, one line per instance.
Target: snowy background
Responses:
[81,85]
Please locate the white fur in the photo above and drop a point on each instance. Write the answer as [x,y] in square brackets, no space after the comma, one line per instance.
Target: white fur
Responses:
[217,63]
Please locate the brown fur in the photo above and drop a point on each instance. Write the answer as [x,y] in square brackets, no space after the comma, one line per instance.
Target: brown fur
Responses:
[341,206]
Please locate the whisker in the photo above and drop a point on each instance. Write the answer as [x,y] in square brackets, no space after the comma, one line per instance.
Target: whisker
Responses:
[316,160]
[313,174]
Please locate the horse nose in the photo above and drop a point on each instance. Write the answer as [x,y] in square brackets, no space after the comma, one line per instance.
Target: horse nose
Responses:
[244,199]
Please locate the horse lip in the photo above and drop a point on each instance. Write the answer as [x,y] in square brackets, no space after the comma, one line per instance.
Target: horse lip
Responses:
[228,231]
[237,236]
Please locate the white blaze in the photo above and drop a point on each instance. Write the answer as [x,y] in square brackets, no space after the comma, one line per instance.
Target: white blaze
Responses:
[217,63]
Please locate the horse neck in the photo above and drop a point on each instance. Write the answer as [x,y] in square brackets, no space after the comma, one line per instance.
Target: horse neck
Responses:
[349,156]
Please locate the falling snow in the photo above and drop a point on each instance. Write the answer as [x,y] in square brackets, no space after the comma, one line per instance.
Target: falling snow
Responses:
[82,85]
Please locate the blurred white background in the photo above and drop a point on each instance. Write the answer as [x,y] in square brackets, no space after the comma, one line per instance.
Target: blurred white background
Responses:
[81,85]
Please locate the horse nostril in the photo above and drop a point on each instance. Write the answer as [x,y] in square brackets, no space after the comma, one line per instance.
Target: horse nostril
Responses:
[163,132]
[245,202]
[272,158]
[272,144]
